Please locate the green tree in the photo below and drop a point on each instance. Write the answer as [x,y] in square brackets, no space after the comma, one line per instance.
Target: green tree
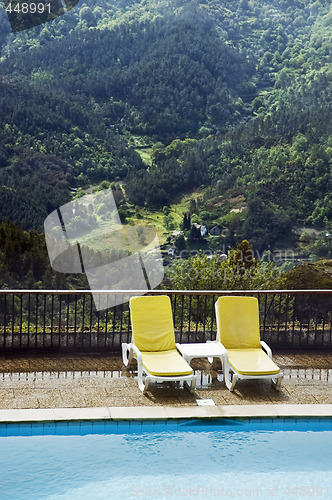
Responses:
[186,221]
[169,222]
[180,243]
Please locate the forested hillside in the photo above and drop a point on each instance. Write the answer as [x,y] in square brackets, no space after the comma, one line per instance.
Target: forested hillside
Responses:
[233,95]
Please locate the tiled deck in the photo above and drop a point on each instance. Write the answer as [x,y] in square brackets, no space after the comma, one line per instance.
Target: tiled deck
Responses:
[92,381]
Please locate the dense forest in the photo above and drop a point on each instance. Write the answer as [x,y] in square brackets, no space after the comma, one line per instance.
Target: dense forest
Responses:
[232,98]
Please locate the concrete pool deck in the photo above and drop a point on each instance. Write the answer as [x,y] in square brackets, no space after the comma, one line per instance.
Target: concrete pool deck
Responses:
[57,386]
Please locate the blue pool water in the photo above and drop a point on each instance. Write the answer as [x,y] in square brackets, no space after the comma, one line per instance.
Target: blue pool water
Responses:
[221,459]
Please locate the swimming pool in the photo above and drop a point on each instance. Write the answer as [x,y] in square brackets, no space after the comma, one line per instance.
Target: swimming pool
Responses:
[222,458]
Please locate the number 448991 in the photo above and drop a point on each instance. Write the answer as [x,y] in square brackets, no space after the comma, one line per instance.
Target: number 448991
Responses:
[306,491]
[28,8]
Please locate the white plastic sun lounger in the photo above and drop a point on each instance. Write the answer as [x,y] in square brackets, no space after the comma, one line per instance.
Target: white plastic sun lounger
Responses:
[153,344]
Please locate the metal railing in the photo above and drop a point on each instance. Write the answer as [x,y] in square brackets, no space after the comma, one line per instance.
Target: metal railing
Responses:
[55,320]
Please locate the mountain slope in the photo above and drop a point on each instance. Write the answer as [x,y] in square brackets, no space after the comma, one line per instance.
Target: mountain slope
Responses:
[239,93]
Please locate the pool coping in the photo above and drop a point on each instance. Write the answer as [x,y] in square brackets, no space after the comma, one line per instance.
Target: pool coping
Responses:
[164,412]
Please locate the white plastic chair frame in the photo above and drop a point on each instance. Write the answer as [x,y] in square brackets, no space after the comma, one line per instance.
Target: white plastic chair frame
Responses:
[130,352]
[231,376]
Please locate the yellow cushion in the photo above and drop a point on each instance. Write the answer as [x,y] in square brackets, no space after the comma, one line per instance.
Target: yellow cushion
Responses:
[166,363]
[152,323]
[251,362]
[238,322]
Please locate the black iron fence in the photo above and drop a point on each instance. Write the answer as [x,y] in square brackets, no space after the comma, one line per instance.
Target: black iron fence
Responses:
[67,320]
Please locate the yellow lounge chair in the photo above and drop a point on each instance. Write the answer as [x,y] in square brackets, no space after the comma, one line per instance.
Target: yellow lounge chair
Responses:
[246,356]
[153,343]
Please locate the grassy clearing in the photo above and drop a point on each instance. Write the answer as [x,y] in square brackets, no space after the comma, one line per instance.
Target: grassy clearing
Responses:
[182,205]
[149,218]
[156,218]
[145,154]
[101,238]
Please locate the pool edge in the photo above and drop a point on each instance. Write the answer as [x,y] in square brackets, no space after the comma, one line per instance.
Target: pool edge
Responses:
[163,412]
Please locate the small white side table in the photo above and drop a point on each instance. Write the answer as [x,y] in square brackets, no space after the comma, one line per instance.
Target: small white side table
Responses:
[210,350]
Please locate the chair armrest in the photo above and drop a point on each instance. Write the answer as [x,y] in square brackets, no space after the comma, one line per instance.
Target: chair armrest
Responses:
[266,348]
[137,353]
[128,352]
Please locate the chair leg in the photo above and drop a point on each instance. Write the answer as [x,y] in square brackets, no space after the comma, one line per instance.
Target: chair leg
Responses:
[142,384]
[234,380]
[146,385]
[191,386]
[277,381]
[127,354]
[229,380]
